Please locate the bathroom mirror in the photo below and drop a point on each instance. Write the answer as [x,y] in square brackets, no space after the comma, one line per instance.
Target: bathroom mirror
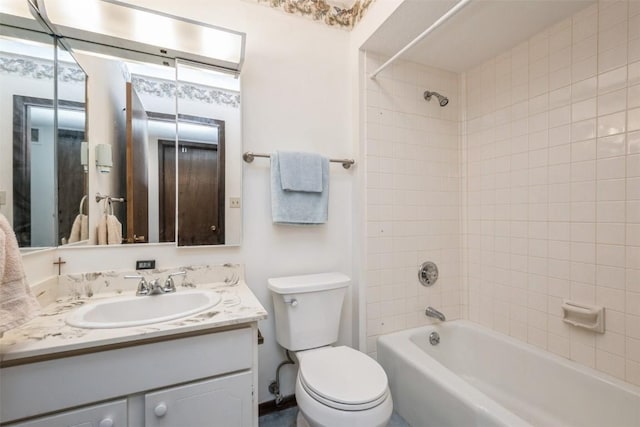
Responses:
[134,96]
[140,110]
[40,198]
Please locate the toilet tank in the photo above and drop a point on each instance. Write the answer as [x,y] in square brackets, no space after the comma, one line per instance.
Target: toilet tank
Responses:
[307,309]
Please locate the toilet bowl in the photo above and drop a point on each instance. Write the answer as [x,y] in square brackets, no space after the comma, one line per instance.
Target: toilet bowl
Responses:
[339,386]
[335,386]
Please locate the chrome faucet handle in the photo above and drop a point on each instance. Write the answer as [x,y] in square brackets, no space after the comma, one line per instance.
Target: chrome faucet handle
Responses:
[169,285]
[143,286]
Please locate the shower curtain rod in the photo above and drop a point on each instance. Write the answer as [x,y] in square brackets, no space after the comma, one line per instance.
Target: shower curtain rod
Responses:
[450,13]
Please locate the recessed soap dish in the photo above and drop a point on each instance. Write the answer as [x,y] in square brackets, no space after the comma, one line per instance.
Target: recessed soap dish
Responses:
[583,316]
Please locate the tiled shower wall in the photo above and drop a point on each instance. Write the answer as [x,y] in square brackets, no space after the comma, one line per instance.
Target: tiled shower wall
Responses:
[412,196]
[553,191]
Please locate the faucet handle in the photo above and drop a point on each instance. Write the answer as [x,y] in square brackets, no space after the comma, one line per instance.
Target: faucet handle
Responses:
[169,285]
[143,286]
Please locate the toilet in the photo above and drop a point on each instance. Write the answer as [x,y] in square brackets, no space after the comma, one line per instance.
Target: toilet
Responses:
[336,386]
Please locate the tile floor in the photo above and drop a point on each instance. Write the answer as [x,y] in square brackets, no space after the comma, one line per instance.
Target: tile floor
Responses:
[287,418]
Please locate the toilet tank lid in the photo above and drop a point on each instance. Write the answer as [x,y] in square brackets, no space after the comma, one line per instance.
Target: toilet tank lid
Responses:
[308,283]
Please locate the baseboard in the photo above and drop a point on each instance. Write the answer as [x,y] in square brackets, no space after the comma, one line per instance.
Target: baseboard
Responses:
[270,406]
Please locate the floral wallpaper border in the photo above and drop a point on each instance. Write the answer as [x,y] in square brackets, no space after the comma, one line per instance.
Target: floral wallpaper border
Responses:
[167,89]
[39,69]
[322,10]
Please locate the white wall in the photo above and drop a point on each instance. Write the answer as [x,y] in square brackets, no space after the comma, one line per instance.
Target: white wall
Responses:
[294,97]
[553,195]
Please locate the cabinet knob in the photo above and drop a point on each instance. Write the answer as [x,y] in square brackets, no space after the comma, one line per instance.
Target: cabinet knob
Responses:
[107,422]
[160,410]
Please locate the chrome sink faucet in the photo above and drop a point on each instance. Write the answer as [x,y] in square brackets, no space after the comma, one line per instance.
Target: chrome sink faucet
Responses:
[432,312]
[153,287]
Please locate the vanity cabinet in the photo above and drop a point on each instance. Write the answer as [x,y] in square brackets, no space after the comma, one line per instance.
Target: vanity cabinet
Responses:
[224,401]
[207,379]
[112,414]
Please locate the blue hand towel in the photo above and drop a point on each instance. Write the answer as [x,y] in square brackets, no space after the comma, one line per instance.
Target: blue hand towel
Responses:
[298,207]
[300,171]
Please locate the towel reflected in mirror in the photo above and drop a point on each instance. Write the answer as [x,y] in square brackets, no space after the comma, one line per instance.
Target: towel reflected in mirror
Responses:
[109,228]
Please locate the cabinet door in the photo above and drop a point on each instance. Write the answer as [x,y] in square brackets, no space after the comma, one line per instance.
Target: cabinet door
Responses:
[223,402]
[112,414]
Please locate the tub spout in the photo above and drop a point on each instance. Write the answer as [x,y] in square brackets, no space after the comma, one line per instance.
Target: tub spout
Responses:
[432,312]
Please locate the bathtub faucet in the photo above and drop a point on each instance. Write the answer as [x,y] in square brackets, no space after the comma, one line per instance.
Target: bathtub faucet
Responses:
[432,312]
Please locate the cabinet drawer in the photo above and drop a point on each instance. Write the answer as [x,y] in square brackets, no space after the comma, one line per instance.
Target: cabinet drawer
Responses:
[112,414]
[225,401]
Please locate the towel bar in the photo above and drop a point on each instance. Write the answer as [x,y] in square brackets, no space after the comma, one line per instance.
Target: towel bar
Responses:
[113,199]
[249,156]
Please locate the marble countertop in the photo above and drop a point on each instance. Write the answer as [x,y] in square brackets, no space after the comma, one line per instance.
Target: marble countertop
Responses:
[49,334]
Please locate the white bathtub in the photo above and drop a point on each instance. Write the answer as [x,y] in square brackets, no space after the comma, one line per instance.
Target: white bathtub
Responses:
[477,377]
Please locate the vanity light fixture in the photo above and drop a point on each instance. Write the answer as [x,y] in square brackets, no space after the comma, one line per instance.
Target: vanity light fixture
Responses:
[113,23]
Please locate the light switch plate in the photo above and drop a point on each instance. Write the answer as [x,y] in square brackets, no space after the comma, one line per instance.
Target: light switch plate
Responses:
[3,198]
[234,202]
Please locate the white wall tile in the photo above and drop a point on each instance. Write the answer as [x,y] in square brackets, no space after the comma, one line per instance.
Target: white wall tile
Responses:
[583,110]
[571,143]
[611,124]
[611,168]
[611,146]
[584,89]
[633,118]
[583,150]
[413,204]
[612,102]
[551,159]
[612,80]
[585,129]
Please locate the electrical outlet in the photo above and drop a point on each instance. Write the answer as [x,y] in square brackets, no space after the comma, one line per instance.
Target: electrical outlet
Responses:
[146,264]
[234,202]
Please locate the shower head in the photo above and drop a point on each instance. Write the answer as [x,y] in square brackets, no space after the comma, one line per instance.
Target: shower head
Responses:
[443,100]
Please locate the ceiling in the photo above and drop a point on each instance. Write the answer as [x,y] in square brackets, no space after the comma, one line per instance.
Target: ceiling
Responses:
[481,30]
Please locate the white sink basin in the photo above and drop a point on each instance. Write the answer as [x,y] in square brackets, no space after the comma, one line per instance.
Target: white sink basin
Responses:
[141,310]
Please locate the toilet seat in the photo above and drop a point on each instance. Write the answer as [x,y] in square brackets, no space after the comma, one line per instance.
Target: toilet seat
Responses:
[343,378]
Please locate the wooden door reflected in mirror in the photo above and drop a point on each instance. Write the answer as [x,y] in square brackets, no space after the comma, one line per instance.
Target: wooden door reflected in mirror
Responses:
[201,182]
